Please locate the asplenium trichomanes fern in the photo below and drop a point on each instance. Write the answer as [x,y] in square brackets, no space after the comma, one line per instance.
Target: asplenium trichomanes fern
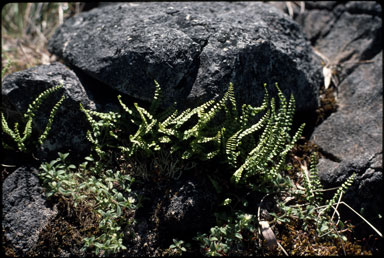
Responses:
[267,157]
[316,210]
[252,140]
[20,140]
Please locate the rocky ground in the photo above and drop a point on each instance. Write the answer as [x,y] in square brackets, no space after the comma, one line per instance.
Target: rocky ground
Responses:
[328,54]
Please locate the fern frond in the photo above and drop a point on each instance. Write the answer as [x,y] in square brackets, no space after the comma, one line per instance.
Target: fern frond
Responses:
[249,111]
[239,172]
[315,180]
[29,115]
[230,149]
[27,130]
[32,108]
[144,114]
[156,99]
[169,119]
[44,135]
[341,190]
[92,122]
[254,128]
[125,107]
[232,100]
[295,138]
[6,129]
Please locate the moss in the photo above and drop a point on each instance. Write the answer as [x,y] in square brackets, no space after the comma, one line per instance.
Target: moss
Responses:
[64,234]
[328,105]
[295,241]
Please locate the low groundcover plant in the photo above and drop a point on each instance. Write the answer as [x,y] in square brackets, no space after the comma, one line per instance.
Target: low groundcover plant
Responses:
[249,144]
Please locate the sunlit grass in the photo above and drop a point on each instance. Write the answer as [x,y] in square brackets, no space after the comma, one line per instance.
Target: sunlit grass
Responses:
[26,29]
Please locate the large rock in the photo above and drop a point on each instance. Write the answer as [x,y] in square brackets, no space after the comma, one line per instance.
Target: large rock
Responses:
[69,127]
[192,49]
[345,32]
[352,138]
[349,35]
[25,211]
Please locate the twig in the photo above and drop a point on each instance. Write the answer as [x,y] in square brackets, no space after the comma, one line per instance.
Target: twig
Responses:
[366,221]
[282,249]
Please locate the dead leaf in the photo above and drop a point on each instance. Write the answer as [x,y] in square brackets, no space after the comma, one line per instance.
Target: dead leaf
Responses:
[327,73]
[269,236]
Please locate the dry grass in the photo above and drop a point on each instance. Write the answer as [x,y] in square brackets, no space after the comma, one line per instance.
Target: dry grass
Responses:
[26,29]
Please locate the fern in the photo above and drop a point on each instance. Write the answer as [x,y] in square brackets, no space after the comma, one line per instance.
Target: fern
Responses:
[48,127]
[267,158]
[156,99]
[32,108]
[19,140]
[312,183]
[315,212]
[340,191]
[215,128]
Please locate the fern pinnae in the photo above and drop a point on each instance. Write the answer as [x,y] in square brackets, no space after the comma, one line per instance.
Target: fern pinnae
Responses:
[232,99]
[341,190]
[5,127]
[142,112]
[92,122]
[295,138]
[17,137]
[230,149]
[314,179]
[264,105]
[55,108]
[90,138]
[290,112]
[156,99]
[211,154]
[283,100]
[265,134]
[16,132]
[5,69]
[237,175]
[167,131]
[27,130]
[170,119]
[125,107]
[255,127]
[216,138]
[32,108]
[7,130]
[277,168]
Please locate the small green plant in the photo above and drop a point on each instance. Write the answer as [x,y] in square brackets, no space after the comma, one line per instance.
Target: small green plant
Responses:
[232,238]
[106,192]
[177,248]
[22,141]
[56,176]
[314,210]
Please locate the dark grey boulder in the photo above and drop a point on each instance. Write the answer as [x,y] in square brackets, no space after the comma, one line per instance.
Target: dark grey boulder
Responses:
[193,50]
[345,32]
[69,127]
[356,128]
[349,35]
[352,138]
[25,211]
[188,208]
